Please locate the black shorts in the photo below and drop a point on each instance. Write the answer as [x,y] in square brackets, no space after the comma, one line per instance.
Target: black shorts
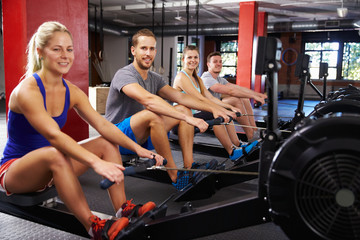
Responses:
[204,115]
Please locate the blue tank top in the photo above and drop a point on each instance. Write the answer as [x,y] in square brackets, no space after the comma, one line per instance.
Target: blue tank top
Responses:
[22,137]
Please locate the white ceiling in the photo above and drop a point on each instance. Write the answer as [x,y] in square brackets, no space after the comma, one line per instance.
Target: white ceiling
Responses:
[135,13]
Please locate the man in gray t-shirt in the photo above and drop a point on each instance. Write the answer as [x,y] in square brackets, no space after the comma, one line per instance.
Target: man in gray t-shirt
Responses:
[232,94]
[136,106]
[119,105]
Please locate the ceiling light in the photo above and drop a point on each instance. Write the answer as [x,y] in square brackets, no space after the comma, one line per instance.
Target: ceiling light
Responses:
[342,12]
[178,17]
[124,22]
[357,23]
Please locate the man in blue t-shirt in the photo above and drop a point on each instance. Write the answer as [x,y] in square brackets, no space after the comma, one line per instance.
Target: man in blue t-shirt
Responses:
[232,94]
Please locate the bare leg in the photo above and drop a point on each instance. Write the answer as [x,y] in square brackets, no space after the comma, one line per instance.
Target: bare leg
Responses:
[186,138]
[108,152]
[47,163]
[243,120]
[222,135]
[249,111]
[232,134]
[147,123]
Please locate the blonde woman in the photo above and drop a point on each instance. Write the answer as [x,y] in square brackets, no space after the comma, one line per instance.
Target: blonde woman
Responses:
[38,109]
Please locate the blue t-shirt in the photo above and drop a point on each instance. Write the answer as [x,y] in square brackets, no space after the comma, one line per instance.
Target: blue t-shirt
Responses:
[22,137]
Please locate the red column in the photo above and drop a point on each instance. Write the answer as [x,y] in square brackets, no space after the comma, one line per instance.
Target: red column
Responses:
[14,43]
[259,85]
[246,35]
[21,18]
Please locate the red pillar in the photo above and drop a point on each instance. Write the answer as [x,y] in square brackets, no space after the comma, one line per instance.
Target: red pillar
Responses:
[246,35]
[14,43]
[259,85]
[21,18]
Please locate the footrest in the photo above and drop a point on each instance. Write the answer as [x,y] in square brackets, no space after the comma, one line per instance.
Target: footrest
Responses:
[204,188]
[136,228]
[252,155]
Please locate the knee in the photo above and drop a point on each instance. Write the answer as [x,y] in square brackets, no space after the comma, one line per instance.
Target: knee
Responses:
[148,116]
[56,159]
[184,110]
[105,146]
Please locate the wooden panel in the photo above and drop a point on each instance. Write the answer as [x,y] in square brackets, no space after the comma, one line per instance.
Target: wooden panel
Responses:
[98,97]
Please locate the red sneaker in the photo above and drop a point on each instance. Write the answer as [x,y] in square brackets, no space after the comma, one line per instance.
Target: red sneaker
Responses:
[107,229]
[132,210]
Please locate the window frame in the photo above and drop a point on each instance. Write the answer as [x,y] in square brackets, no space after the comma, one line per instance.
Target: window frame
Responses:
[229,52]
[340,37]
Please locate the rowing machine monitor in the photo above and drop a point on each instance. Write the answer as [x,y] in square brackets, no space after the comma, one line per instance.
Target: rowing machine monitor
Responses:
[323,70]
[268,55]
[323,73]
[302,65]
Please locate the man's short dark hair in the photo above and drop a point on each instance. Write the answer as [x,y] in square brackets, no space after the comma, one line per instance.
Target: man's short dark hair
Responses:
[212,54]
[142,32]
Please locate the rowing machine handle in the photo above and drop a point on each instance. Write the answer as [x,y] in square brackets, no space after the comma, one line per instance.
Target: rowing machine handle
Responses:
[106,183]
[216,121]
[212,122]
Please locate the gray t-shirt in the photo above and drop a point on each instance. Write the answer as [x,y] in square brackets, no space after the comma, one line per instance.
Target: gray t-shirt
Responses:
[119,106]
[209,81]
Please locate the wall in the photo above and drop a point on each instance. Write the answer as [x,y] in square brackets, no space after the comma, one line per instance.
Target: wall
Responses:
[2,78]
[169,42]
[21,18]
[116,52]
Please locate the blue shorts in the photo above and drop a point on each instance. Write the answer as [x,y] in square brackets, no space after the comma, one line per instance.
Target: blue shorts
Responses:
[125,127]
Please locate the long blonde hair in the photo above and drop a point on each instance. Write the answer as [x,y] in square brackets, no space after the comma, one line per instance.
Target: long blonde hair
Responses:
[39,40]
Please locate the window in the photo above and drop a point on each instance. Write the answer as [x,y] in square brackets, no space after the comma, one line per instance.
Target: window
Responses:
[180,49]
[322,52]
[351,61]
[346,68]
[228,50]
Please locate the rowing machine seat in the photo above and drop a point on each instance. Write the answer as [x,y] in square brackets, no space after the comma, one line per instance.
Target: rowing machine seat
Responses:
[29,199]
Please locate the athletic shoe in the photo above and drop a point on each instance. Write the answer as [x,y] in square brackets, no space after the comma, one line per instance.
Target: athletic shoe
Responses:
[242,144]
[197,176]
[106,229]
[130,210]
[238,153]
[183,179]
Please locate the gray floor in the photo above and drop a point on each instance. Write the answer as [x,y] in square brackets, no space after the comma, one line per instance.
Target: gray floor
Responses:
[141,191]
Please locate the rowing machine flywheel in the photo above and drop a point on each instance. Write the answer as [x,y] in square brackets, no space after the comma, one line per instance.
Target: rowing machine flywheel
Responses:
[314,180]
[336,106]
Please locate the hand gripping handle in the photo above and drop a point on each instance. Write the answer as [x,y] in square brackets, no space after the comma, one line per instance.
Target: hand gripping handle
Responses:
[216,121]
[106,183]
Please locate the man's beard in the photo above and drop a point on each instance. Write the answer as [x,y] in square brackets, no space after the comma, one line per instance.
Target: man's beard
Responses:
[142,66]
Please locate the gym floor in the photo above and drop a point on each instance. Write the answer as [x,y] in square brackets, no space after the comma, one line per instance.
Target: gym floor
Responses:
[145,190]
